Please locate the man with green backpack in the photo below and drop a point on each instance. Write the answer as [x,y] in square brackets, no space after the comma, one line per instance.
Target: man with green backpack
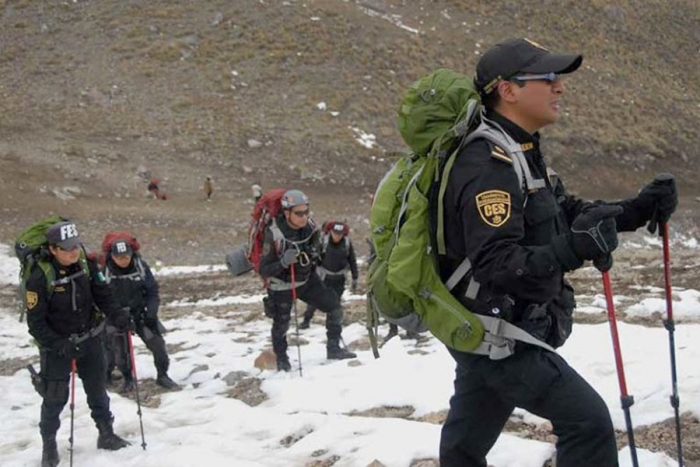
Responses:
[520,242]
[63,291]
[477,245]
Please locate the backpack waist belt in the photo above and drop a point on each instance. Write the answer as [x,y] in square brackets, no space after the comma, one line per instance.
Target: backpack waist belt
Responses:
[325,272]
[278,285]
[500,336]
[94,332]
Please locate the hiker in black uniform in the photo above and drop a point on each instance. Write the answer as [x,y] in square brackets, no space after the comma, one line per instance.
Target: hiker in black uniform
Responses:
[337,256]
[519,253]
[291,240]
[136,290]
[66,327]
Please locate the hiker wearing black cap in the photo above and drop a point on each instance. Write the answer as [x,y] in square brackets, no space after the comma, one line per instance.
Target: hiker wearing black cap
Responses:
[337,257]
[66,326]
[290,254]
[136,290]
[521,237]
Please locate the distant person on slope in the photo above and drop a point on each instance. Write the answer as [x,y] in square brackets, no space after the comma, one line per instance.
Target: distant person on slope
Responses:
[519,253]
[337,257]
[291,240]
[257,192]
[208,188]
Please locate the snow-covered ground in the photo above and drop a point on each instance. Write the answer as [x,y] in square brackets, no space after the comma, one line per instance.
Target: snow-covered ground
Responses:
[306,418]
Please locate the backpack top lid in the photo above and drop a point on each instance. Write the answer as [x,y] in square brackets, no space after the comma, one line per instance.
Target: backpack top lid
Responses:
[433,105]
[113,237]
[341,227]
[269,203]
[30,240]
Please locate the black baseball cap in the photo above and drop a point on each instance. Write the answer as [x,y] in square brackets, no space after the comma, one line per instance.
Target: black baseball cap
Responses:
[64,235]
[339,227]
[121,248]
[515,56]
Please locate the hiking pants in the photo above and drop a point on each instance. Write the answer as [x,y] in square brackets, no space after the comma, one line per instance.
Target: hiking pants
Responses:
[335,283]
[539,381]
[315,293]
[55,371]
[119,351]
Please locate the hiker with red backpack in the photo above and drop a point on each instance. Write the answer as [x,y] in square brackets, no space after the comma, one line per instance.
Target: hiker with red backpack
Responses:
[337,256]
[136,291]
[288,259]
[63,293]
[511,232]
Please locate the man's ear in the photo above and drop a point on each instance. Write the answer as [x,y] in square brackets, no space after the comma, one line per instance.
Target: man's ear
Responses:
[506,89]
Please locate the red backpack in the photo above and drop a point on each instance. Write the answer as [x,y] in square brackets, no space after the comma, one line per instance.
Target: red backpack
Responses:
[328,226]
[266,208]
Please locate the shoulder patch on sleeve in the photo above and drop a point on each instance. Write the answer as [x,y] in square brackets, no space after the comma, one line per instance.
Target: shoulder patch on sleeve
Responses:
[32,299]
[500,154]
[494,207]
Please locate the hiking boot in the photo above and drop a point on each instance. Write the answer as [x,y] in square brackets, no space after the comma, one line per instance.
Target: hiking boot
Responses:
[164,381]
[393,331]
[336,353]
[283,363]
[305,324]
[107,439]
[49,453]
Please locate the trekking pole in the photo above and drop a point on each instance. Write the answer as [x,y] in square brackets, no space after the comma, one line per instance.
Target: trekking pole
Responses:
[296,317]
[626,400]
[72,407]
[671,327]
[136,385]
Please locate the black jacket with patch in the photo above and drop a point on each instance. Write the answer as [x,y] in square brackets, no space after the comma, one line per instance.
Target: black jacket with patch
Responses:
[71,308]
[508,240]
[337,257]
[134,287]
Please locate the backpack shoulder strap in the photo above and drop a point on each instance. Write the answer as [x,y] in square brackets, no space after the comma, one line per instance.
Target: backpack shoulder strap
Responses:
[277,235]
[325,238]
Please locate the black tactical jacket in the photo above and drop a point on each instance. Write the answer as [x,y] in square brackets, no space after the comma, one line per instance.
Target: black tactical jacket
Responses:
[306,241]
[134,287]
[70,308]
[508,235]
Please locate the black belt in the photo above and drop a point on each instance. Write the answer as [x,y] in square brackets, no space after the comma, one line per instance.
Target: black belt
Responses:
[94,332]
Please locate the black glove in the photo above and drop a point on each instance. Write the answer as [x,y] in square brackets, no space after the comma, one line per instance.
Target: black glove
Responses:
[289,257]
[658,200]
[67,348]
[122,320]
[593,237]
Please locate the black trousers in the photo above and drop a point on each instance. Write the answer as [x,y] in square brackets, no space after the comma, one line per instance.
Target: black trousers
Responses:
[55,371]
[117,352]
[335,283]
[315,293]
[541,382]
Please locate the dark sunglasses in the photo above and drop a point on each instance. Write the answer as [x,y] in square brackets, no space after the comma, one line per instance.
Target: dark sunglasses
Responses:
[548,77]
[301,213]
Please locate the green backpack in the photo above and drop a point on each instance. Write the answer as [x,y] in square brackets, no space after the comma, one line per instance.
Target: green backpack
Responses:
[31,248]
[439,115]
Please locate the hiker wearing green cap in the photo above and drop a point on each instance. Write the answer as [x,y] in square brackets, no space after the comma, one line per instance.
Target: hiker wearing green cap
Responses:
[509,241]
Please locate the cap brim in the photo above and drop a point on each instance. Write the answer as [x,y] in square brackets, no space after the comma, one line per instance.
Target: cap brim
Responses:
[70,243]
[552,63]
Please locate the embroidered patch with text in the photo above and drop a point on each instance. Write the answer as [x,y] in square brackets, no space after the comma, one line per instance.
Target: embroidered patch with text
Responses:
[32,300]
[494,207]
